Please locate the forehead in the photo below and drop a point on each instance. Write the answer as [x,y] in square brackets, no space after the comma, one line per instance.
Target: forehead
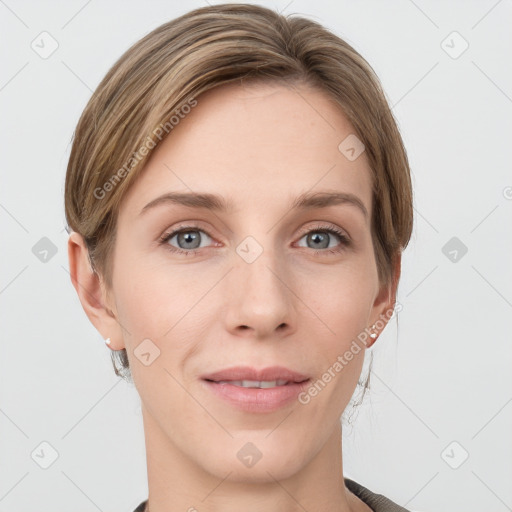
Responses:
[256,145]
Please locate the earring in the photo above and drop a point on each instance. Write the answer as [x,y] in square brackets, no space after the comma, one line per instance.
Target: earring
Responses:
[373,335]
[107,341]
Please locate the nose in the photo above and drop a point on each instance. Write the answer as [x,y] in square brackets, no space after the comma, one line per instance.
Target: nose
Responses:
[259,300]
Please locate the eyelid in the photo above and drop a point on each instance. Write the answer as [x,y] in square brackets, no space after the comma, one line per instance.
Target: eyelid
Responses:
[325,226]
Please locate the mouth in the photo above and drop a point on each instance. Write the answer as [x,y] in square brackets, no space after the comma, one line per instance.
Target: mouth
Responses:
[252,390]
[278,375]
[263,384]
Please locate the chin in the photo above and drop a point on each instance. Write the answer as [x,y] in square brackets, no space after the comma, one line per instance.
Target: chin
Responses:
[254,459]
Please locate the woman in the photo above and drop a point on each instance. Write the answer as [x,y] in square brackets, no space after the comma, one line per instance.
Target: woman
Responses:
[239,198]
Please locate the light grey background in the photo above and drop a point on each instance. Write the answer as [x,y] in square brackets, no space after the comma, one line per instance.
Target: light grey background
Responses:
[443,375]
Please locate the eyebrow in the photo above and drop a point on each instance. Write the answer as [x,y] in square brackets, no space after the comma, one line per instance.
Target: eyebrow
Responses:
[304,201]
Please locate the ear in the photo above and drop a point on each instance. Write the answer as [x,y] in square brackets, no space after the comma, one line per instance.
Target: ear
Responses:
[384,303]
[92,292]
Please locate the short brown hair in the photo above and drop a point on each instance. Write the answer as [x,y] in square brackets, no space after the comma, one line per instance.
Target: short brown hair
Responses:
[168,69]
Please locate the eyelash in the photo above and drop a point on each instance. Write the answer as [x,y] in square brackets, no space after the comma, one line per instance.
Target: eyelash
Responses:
[344,240]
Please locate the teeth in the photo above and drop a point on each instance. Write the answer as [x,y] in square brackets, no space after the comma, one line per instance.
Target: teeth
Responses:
[254,383]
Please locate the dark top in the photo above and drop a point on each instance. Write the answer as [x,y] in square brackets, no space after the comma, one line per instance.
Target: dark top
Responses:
[377,502]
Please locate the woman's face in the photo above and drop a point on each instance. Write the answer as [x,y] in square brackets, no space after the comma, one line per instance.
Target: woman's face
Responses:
[259,283]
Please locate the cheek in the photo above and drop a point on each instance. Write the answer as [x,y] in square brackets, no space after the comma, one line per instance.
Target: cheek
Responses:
[157,299]
[341,296]
[170,305]
[150,297]
[341,300]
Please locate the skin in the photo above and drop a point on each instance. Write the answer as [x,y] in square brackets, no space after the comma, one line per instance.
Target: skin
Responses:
[259,146]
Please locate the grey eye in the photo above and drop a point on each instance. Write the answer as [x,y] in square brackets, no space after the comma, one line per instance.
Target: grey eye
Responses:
[321,239]
[188,239]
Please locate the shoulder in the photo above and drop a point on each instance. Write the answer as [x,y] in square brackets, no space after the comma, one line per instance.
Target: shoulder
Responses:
[141,507]
[377,502]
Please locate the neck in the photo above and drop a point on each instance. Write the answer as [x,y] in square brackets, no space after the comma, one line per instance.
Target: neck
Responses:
[177,483]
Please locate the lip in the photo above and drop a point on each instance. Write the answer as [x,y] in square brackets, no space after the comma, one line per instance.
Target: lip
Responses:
[250,373]
[256,400]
